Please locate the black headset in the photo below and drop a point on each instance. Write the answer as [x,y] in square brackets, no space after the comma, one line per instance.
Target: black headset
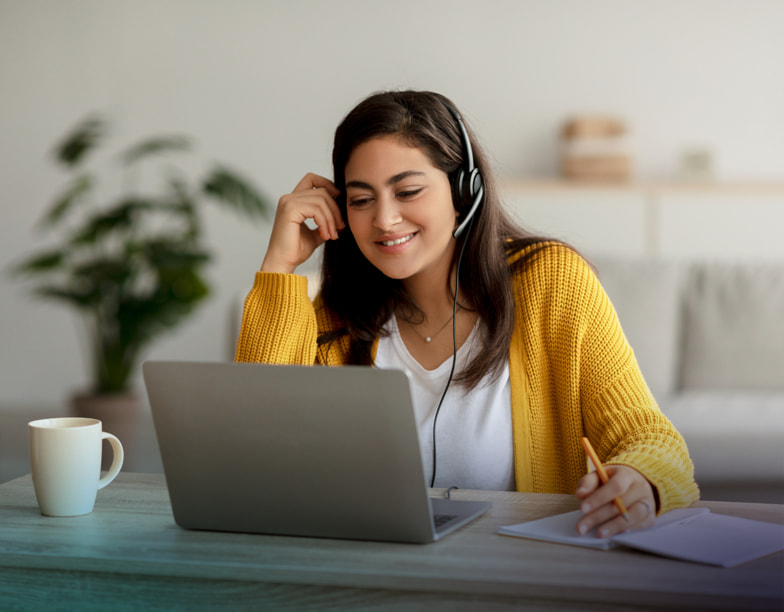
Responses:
[469,183]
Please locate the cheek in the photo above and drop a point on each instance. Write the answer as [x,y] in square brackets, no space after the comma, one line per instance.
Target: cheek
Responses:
[450,216]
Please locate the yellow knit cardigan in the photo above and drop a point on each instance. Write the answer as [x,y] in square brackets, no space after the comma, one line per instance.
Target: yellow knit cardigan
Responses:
[572,373]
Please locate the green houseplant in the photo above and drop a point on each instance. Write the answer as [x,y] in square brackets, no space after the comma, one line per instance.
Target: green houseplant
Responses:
[131,264]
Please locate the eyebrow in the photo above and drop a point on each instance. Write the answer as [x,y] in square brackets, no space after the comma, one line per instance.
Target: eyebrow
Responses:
[391,181]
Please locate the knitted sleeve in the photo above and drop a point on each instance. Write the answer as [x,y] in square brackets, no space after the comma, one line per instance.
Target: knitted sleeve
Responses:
[584,380]
[620,415]
[278,322]
[281,325]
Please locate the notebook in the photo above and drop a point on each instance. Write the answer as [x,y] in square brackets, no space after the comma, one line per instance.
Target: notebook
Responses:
[689,534]
[296,450]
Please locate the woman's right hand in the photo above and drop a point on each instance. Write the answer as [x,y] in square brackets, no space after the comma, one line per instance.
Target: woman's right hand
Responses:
[292,241]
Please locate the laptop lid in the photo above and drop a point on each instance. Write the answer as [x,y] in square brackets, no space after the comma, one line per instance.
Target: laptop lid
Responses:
[295,450]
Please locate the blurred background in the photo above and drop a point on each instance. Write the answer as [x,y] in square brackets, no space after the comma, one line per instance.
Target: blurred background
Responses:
[261,85]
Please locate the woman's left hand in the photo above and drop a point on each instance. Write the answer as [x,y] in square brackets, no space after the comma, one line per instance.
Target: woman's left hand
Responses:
[598,506]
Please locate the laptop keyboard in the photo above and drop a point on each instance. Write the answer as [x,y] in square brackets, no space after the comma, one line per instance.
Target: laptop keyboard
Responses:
[440,519]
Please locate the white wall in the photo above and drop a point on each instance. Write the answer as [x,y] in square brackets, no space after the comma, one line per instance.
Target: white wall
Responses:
[261,85]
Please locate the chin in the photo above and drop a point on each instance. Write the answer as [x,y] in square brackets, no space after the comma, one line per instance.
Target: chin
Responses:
[395,274]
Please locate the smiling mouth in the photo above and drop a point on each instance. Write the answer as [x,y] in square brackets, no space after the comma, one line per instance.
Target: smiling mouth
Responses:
[398,241]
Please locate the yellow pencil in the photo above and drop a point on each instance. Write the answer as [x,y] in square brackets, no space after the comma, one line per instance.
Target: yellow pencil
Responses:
[603,476]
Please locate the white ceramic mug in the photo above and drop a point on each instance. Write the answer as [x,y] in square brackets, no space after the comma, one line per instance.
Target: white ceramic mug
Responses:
[65,460]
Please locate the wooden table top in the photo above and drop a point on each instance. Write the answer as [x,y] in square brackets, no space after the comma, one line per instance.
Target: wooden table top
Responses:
[131,540]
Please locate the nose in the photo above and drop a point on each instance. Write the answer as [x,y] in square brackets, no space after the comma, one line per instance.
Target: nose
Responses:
[387,214]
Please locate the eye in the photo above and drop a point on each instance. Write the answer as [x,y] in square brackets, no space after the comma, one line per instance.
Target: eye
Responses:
[409,193]
[360,202]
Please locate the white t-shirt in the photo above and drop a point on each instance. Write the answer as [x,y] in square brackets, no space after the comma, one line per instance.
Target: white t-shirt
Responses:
[474,447]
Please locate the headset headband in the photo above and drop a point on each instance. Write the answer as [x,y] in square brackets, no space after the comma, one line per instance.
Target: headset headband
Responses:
[469,180]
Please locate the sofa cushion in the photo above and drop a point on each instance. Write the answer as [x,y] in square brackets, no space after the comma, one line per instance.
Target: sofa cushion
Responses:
[731,435]
[734,327]
[646,296]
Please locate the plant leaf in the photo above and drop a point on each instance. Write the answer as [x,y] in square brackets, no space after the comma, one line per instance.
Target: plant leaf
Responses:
[179,290]
[84,298]
[103,273]
[229,188]
[80,141]
[141,318]
[119,217]
[158,144]
[63,204]
[171,254]
[45,261]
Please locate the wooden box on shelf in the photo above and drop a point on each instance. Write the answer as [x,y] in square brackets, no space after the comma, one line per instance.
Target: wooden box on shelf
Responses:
[595,149]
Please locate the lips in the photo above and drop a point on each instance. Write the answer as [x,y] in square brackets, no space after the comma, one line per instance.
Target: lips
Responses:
[396,241]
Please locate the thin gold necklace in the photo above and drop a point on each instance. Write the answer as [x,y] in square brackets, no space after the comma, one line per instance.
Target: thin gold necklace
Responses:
[430,338]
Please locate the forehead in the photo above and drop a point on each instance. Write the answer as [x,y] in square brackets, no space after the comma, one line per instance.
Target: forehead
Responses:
[386,156]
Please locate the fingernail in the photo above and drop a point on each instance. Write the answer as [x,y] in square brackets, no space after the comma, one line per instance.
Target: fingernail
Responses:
[586,508]
[582,529]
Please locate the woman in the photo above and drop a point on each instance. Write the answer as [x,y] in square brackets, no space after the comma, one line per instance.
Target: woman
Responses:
[514,348]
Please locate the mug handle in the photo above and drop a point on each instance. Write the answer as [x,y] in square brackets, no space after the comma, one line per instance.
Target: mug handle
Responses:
[117,461]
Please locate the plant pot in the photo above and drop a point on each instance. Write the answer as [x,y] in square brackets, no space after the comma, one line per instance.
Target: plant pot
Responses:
[120,414]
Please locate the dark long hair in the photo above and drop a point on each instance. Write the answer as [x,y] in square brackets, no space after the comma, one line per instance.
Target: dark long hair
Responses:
[363,298]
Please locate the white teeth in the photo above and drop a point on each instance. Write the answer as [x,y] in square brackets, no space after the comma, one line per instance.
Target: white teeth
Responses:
[398,241]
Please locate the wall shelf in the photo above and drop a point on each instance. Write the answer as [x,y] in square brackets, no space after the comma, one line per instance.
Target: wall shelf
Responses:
[675,220]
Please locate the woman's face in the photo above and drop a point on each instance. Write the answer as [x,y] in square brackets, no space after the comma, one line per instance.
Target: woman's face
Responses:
[399,209]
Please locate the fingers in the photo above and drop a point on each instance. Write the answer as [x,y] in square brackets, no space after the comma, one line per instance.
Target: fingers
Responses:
[292,241]
[621,479]
[587,485]
[314,181]
[598,502]
[609,522]
[314,198]
[296,208]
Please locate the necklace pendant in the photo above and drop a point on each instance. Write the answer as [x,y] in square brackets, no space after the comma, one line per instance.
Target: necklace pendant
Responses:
[428,339]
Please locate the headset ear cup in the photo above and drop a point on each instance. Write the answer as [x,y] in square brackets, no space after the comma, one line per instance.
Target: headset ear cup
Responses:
[462,190]
[468,187]
[460,185]
[477,184]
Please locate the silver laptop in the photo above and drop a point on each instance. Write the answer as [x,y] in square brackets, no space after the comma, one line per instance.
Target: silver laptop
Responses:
[296,450]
